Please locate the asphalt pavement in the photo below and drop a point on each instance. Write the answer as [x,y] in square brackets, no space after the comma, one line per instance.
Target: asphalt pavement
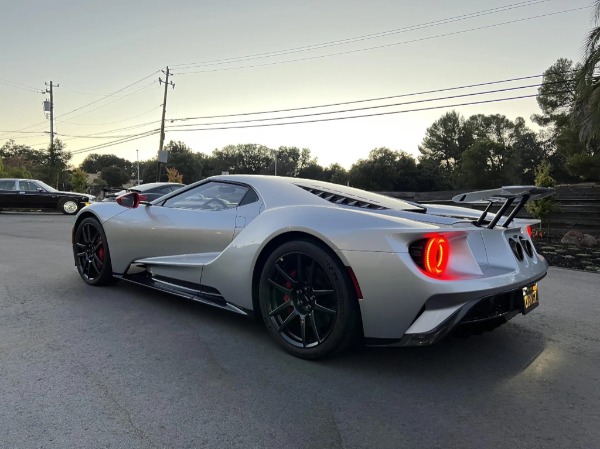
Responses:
[124,367]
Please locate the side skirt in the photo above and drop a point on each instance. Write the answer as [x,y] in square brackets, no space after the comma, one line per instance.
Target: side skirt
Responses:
[194,292]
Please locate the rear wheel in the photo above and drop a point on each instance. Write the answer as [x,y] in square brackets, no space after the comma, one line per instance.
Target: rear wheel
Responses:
[92,257]
[306,301]
[68,206]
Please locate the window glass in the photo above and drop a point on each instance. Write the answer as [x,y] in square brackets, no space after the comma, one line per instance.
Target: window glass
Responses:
[7,185]
[28,186]
[209,196]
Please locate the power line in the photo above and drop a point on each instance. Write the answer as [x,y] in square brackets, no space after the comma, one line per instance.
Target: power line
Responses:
[93,102]
[454,33]
[316,114]
[361,38]
[116,142]
[373,114]
[107,104]
[115,122]
[389,97]
[19,86]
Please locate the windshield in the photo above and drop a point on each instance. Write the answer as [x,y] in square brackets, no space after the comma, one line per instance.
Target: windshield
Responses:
[46,186]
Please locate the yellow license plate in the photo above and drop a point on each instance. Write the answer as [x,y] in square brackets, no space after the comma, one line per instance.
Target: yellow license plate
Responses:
[530,298]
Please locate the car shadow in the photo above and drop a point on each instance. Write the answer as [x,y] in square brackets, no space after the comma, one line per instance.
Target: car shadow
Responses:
[506,351]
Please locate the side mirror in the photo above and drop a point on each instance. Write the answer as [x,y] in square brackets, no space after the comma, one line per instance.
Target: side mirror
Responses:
[131,200]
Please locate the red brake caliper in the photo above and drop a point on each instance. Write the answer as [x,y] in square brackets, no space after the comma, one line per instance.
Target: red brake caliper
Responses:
[288,285]
[101,251]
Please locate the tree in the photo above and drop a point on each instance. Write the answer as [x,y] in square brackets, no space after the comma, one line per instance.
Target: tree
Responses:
[79,180]
[336,173]
[174,176]
[187,163]
[54,169]
[243,158]
[540,209]
[114,176]
[287,161]
[21,161]
[587,102]
[503,152]
[385,171]
[94,163]
[557,94]
[445,141]
[563,108]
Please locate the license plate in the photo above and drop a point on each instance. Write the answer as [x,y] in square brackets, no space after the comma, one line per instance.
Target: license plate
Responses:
[530,298]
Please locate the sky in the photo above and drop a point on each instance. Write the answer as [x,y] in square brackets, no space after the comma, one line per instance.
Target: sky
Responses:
[235,58]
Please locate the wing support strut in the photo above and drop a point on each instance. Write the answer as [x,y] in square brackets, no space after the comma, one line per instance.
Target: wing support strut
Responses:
[507,196]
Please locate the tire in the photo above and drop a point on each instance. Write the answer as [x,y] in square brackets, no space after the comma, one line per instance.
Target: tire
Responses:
[92,257]
[68,206]
[306,301]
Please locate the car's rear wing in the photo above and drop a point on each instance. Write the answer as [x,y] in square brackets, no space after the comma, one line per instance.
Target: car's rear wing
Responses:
[506,195]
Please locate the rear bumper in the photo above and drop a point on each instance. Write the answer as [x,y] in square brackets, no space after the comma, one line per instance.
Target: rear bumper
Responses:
[498,307]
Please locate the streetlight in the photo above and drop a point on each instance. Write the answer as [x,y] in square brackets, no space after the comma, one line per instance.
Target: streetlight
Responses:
[275,153]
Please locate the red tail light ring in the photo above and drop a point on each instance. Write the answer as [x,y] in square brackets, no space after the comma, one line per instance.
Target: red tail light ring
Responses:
[435,255]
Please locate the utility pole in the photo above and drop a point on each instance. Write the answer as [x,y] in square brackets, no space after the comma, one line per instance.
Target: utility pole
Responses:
[162,122]
[49,109]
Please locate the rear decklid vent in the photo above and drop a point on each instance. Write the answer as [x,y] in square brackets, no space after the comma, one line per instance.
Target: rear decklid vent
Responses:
[342,199]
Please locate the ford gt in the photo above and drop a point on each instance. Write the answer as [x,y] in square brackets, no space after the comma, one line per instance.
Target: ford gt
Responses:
[324,266]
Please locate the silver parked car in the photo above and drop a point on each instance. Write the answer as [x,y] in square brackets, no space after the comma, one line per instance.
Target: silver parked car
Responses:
[324,265]
[151,191]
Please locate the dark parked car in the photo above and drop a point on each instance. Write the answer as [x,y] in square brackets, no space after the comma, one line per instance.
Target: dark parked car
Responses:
[151,191]
[35,194]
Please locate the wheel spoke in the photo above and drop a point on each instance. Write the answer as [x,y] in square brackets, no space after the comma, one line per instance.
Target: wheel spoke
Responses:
[99,262]
[313,324]
[86,268]
[281,288]
[93,264]
[323,309]
[323,292]
[97,245]
[80,245]
[280,308]
[87,238]
[285,275]
[287,321]
[81,254]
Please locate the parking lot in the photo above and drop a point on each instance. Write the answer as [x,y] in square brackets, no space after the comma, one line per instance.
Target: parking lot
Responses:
[125,367]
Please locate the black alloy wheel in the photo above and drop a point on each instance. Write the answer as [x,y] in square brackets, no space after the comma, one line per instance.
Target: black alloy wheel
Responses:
[306,301]
[92,257]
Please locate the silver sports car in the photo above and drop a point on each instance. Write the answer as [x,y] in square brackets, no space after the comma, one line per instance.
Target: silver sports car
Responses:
[324,265]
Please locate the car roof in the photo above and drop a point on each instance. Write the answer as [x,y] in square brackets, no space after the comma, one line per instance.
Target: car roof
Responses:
[152,185]
[279,191]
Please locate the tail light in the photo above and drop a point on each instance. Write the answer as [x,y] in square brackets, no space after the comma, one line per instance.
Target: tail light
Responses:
[528,229]
[431,255]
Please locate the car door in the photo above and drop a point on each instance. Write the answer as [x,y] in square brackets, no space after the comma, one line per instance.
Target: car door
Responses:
[32,195]
[199,220]
[8,193]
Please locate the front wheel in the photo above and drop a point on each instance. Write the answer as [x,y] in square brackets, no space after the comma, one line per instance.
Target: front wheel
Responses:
[306,301]
[92,257]
[68,206]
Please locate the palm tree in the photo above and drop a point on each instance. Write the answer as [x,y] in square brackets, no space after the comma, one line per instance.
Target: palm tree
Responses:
[587,103]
